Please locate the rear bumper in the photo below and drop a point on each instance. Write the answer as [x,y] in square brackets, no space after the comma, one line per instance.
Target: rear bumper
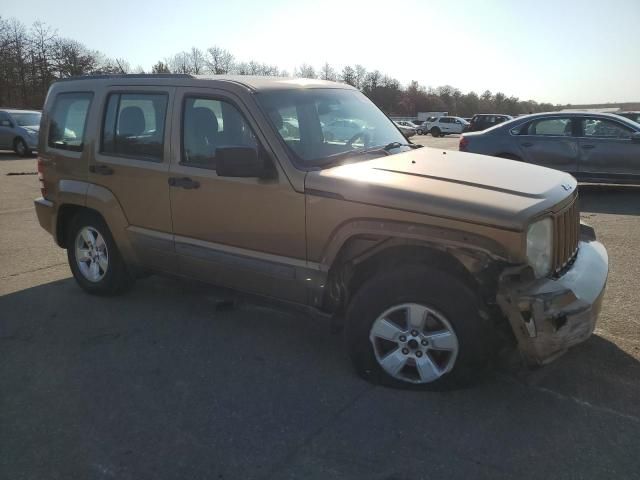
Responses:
[46,212]
[547,315]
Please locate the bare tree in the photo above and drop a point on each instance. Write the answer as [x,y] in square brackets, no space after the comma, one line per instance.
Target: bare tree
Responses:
[180,63]
[71,58]
[198,62]
[242,68]
[361,74]
[219,61]
[305,71]
[327,72]
[160,67]
[348,76]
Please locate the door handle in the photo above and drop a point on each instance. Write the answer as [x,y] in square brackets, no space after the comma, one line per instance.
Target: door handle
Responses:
[101,169]
[527,144]
[183,182]
[588,147]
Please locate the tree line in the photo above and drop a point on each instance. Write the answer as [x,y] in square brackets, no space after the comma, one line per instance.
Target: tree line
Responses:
[31,58]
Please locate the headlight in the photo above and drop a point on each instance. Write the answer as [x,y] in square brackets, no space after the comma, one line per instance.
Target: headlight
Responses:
[539,244]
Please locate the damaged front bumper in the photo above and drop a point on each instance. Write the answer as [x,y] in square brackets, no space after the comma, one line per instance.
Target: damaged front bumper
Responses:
[549,315]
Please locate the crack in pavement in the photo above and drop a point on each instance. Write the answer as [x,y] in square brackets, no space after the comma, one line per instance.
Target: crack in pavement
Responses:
[571,398]
[31,271]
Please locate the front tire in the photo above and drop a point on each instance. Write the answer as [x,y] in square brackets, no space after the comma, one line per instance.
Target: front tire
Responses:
[21,148]
[417,328]
[435,132]
[94,258]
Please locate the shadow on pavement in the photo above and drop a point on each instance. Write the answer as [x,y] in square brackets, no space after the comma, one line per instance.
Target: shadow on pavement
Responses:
[10,155]
[614,199]
[160,384]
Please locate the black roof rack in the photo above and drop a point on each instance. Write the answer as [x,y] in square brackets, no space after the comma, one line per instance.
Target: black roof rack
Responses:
[127,75]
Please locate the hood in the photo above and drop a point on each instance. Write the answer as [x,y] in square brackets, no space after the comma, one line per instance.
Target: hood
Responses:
[463,186]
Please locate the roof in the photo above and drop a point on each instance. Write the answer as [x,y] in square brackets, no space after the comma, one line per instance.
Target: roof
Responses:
[254,83]
[18,110]
[569,113]
[593,110]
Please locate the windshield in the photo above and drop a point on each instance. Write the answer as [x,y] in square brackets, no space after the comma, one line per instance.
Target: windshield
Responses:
[320,125]
[29,119]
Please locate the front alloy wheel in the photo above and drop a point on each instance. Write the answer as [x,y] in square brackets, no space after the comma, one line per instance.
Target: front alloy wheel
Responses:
[418,327]
[414,343]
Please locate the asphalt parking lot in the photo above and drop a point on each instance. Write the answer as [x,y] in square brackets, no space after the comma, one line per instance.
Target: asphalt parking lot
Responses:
[164,383]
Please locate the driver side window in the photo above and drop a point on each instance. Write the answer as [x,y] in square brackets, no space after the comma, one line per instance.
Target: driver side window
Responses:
[208,124]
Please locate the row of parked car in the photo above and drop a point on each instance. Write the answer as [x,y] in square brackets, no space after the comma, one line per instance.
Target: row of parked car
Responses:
[446,125]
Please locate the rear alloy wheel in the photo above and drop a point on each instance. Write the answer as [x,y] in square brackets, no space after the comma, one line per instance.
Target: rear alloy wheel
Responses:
[21,148]
[92,254]
[94,258]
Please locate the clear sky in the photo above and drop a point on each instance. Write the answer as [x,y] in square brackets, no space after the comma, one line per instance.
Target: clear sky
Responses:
[561,51]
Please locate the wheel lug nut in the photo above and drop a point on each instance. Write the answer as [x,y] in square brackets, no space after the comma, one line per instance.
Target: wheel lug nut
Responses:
[418,354]
[424,343]
[414,333]
[403,338]
[405,351]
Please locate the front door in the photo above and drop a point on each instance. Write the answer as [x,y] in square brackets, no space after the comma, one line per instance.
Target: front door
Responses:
[132,161]
[607,151]
[549,142]
[244,233]
[445,124]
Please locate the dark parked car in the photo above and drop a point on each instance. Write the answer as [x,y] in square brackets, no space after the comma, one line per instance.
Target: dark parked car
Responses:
[635,116]
[594,147]
[483,121]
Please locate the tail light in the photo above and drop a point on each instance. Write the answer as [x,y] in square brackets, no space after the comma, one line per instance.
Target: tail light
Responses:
[43,190]
[464,143]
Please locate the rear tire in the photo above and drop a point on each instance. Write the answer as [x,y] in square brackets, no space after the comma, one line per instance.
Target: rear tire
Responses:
[94,258]
[435,132]
[450,305]
[21,148]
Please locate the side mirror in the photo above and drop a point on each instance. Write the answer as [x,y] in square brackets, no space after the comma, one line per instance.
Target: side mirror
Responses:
[635,138]
[240,162]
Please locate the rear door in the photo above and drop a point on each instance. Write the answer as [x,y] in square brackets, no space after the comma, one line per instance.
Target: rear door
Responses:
[549,142]
[132,161]
[607,151]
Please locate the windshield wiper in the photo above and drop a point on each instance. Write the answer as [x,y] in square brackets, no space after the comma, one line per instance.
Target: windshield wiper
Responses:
[344,157]
[392,145]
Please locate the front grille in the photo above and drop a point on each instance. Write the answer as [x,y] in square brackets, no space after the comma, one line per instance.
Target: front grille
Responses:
[566,235]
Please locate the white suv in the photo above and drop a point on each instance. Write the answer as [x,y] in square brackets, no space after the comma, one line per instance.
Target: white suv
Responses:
[441,126]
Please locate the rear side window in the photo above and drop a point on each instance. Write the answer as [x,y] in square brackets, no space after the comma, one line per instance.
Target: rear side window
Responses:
[555,127]
[68,120]
[134,125]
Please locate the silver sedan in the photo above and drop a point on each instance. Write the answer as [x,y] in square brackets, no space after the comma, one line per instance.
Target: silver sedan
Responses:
[594,147]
